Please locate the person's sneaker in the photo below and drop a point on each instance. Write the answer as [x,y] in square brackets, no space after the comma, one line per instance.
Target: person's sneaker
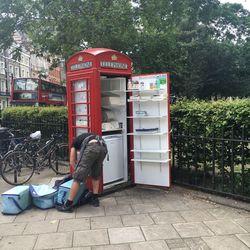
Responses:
[64,208]
[95,201]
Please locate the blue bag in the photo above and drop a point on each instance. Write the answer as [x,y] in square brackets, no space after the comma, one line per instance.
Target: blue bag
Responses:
[16,200]
[63,192]
[43,196]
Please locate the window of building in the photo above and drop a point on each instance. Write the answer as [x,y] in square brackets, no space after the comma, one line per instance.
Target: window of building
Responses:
[22,74]
[2,65]
[2,86]
[16,72]
[11,69]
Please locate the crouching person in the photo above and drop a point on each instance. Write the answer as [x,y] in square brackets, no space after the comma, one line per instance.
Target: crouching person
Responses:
[92,154]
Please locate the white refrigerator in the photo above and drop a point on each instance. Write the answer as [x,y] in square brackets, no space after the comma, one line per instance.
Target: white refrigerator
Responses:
[113,169]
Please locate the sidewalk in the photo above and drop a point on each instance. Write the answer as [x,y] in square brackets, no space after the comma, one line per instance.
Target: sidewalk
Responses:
[134,218]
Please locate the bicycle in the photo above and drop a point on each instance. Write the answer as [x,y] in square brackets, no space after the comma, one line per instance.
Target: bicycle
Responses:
[19,165]
[8,140]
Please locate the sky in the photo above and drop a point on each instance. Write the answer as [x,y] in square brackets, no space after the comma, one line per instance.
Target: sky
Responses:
[245,3]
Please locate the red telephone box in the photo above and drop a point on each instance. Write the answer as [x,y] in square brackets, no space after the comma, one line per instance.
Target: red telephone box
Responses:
[131,114]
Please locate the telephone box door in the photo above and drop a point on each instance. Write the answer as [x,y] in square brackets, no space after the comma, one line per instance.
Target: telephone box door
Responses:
[150,116]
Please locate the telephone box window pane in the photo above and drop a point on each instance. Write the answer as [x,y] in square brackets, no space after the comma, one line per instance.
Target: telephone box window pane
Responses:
[81,109]
[80,85]
[80,97]
[81,121]
[80,131]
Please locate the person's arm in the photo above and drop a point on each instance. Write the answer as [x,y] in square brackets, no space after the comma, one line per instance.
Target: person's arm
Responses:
[72,160]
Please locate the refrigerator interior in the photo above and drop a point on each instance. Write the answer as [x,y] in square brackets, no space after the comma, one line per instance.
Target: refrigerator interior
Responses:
[114,130]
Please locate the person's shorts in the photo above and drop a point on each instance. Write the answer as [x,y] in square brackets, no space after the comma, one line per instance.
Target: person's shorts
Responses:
[90,162]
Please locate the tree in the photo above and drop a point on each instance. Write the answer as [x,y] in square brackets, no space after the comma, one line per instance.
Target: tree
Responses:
[202,43]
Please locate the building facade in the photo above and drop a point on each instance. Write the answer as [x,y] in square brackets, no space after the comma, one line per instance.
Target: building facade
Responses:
[27,65]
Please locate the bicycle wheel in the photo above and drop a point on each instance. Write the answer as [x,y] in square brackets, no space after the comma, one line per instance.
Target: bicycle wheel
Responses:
[17,167]
[59,159]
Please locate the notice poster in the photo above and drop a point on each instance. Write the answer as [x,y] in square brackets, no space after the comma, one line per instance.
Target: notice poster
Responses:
[149,82]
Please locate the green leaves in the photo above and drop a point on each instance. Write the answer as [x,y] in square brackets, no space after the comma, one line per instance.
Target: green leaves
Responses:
[202,43]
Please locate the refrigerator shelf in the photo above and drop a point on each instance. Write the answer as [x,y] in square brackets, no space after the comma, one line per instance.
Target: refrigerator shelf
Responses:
[150,160]
[140,134]
[146,116]
[161,151]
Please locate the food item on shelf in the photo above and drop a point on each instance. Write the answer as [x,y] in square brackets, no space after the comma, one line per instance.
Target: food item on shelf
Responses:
[141,113]
[147,130]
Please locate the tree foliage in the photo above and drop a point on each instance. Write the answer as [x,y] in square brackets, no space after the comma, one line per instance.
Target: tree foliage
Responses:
[205,45]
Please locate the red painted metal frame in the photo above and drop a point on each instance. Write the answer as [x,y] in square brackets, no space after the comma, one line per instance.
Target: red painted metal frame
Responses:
[93,76]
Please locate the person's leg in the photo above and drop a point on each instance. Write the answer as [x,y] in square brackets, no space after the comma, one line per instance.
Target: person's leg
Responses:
[74,189]
[96,171]
[80,174]
[95,184]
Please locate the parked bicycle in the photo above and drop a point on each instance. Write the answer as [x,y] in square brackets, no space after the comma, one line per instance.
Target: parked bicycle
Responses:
[19,165]
[9,139]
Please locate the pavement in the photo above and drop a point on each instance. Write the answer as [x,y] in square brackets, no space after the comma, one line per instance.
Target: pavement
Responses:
[136,218]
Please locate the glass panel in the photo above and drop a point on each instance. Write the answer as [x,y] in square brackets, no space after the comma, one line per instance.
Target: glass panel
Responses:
[81,109]
[25,84]
[80,85]
[25,96]
[80,131]
[81,121]
[55,97]
[80,97]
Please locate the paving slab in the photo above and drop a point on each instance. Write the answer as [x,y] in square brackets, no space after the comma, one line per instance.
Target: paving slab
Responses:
[74,248]
[245,223]
[224,227]
[108,201]
[125,235]
[137,220]
[53,214]
[196,215]
[145,208]
[167,217]
[33,214]
[89,211]
[196,244]
[149,245]
[118,210]
[105,222]
[228,213]
[7,218]
[124,200]
[112,247]
[70,225]
[90,238]
[24,242]
[229,242]
[40,227]
[133,218]
[176,205]
[245,238]
[160,232]
[192,229]
[12,229]
[54,240]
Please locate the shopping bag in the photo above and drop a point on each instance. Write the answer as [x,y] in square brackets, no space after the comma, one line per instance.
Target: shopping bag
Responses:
[16,200]
[63,192]
[43,196]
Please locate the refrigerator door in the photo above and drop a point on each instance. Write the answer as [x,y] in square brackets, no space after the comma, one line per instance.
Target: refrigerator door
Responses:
[113,169]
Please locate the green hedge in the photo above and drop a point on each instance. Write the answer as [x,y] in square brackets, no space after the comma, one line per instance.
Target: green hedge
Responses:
[208,117]
[29,119]
[211,140]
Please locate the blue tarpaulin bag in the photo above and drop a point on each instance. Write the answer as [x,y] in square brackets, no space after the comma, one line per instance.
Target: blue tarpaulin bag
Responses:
[43,196]
[16,200]
[63,192]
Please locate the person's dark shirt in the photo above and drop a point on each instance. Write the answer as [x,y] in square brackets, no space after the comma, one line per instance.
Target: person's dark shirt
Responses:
[77,142]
